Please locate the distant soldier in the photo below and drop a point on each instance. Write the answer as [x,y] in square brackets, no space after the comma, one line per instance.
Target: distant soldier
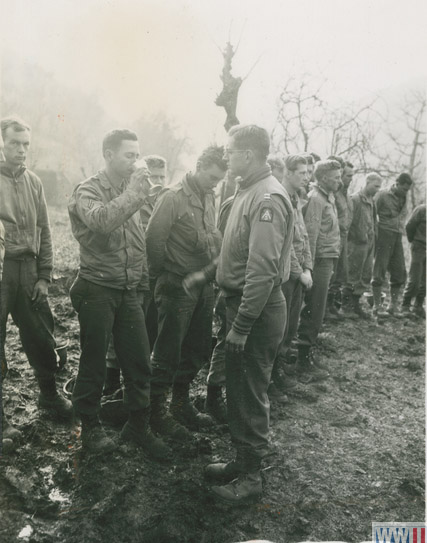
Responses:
[416,286]
[277,167]
[321,221]
[361,242]
[28,263]
[391,206]
[254,260]
[105,219]
[182,238]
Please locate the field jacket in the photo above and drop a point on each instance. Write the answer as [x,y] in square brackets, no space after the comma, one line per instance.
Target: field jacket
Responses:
[256,250]
[107,224]
[391,210]
[321,221]
[23,212]
[344,206]
[363,225]
[416,227]
[301,258]
[182,236]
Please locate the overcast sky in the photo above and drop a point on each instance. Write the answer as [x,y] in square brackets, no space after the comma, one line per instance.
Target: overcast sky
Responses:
[141,56]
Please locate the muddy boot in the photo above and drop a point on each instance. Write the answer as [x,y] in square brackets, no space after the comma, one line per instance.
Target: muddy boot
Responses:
[406,309]
[378,310]
[184,411]
[276,395]
[283,382]
[225,472]
[8,431]
[162,422]
[306,371]
[393,308]
[94,438]
[348,307]
[137,430]
[357,308]
[112,381]
[50,399]
[419,310]
[332,311]
[246,488]
[215,405]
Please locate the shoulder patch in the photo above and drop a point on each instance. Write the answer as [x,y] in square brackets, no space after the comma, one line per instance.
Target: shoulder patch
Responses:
[266,214]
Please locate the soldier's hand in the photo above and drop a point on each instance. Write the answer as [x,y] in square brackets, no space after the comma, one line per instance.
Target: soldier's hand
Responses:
[235,342]
[306,279]
[192,281]
[140,180]
[40,292]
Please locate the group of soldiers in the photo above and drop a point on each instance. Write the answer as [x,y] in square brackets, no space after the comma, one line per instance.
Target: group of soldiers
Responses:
[158,261]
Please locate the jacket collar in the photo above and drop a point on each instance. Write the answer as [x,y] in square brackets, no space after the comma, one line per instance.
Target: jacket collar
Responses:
[254,177]
[188,187]
[6,171]
[328,195]
[106,183]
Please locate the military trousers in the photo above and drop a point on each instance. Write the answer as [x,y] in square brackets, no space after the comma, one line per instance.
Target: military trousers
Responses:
[216,375]
[315,300]
[248,375]
[360,262]
[389,257]
[35,324]
[416,285]
[103,312]
[294,294]
[184,336]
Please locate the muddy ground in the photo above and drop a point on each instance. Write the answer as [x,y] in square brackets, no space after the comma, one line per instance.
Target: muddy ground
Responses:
[346,452]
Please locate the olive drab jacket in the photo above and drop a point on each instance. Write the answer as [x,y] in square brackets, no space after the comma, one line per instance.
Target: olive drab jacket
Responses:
[301,259]
[363,225]
[107,224]
[23,211]
[182,236]
[1,249]
[321,221]
[392,210]
[256,250]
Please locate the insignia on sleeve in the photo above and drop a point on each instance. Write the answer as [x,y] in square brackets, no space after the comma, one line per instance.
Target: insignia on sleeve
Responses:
[266,214]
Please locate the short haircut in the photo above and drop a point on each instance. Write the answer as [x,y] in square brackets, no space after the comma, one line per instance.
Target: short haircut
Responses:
[316,157]
[373,176]
[155,161]
[14,122]
[404,179]
[212,155]
[349,164]
[293,161]
[252,137]
[276,161]
[309,158]
[338,159]
[325,166]
[114,138]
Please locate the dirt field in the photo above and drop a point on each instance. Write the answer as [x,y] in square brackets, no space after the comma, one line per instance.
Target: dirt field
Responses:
[346,452]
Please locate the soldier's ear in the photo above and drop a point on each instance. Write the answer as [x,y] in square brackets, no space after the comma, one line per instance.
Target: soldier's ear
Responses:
[108,155]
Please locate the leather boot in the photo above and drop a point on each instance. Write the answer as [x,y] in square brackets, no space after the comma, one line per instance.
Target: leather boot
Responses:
[419,310]
[358,308]
[393,308]
[332,311]
[308,372]
[349,308]
[138,431]
[184,411]
[246,488]
[283,381]
[215,405]
[50,399]
[94,438]
[8,431]
[378,309]
[162,422]
[222,472]
[112,381]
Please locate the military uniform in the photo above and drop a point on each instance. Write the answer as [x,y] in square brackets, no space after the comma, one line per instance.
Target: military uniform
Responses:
[254,261]
[416,232]
[181,238]
[321,221]
[106,223]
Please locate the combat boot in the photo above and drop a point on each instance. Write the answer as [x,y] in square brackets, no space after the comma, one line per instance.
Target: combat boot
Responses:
[244,490]
[94,438]
[406,309]
[358,308]
[162,422]
[184,411]
[283,382]
[215,405]
[378,310]
[137,430]
[393,308]
[419,310]
[222,472]
[8,431]
[332,311]
[50,399]
[276,395]
[349,308]
[307,372]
